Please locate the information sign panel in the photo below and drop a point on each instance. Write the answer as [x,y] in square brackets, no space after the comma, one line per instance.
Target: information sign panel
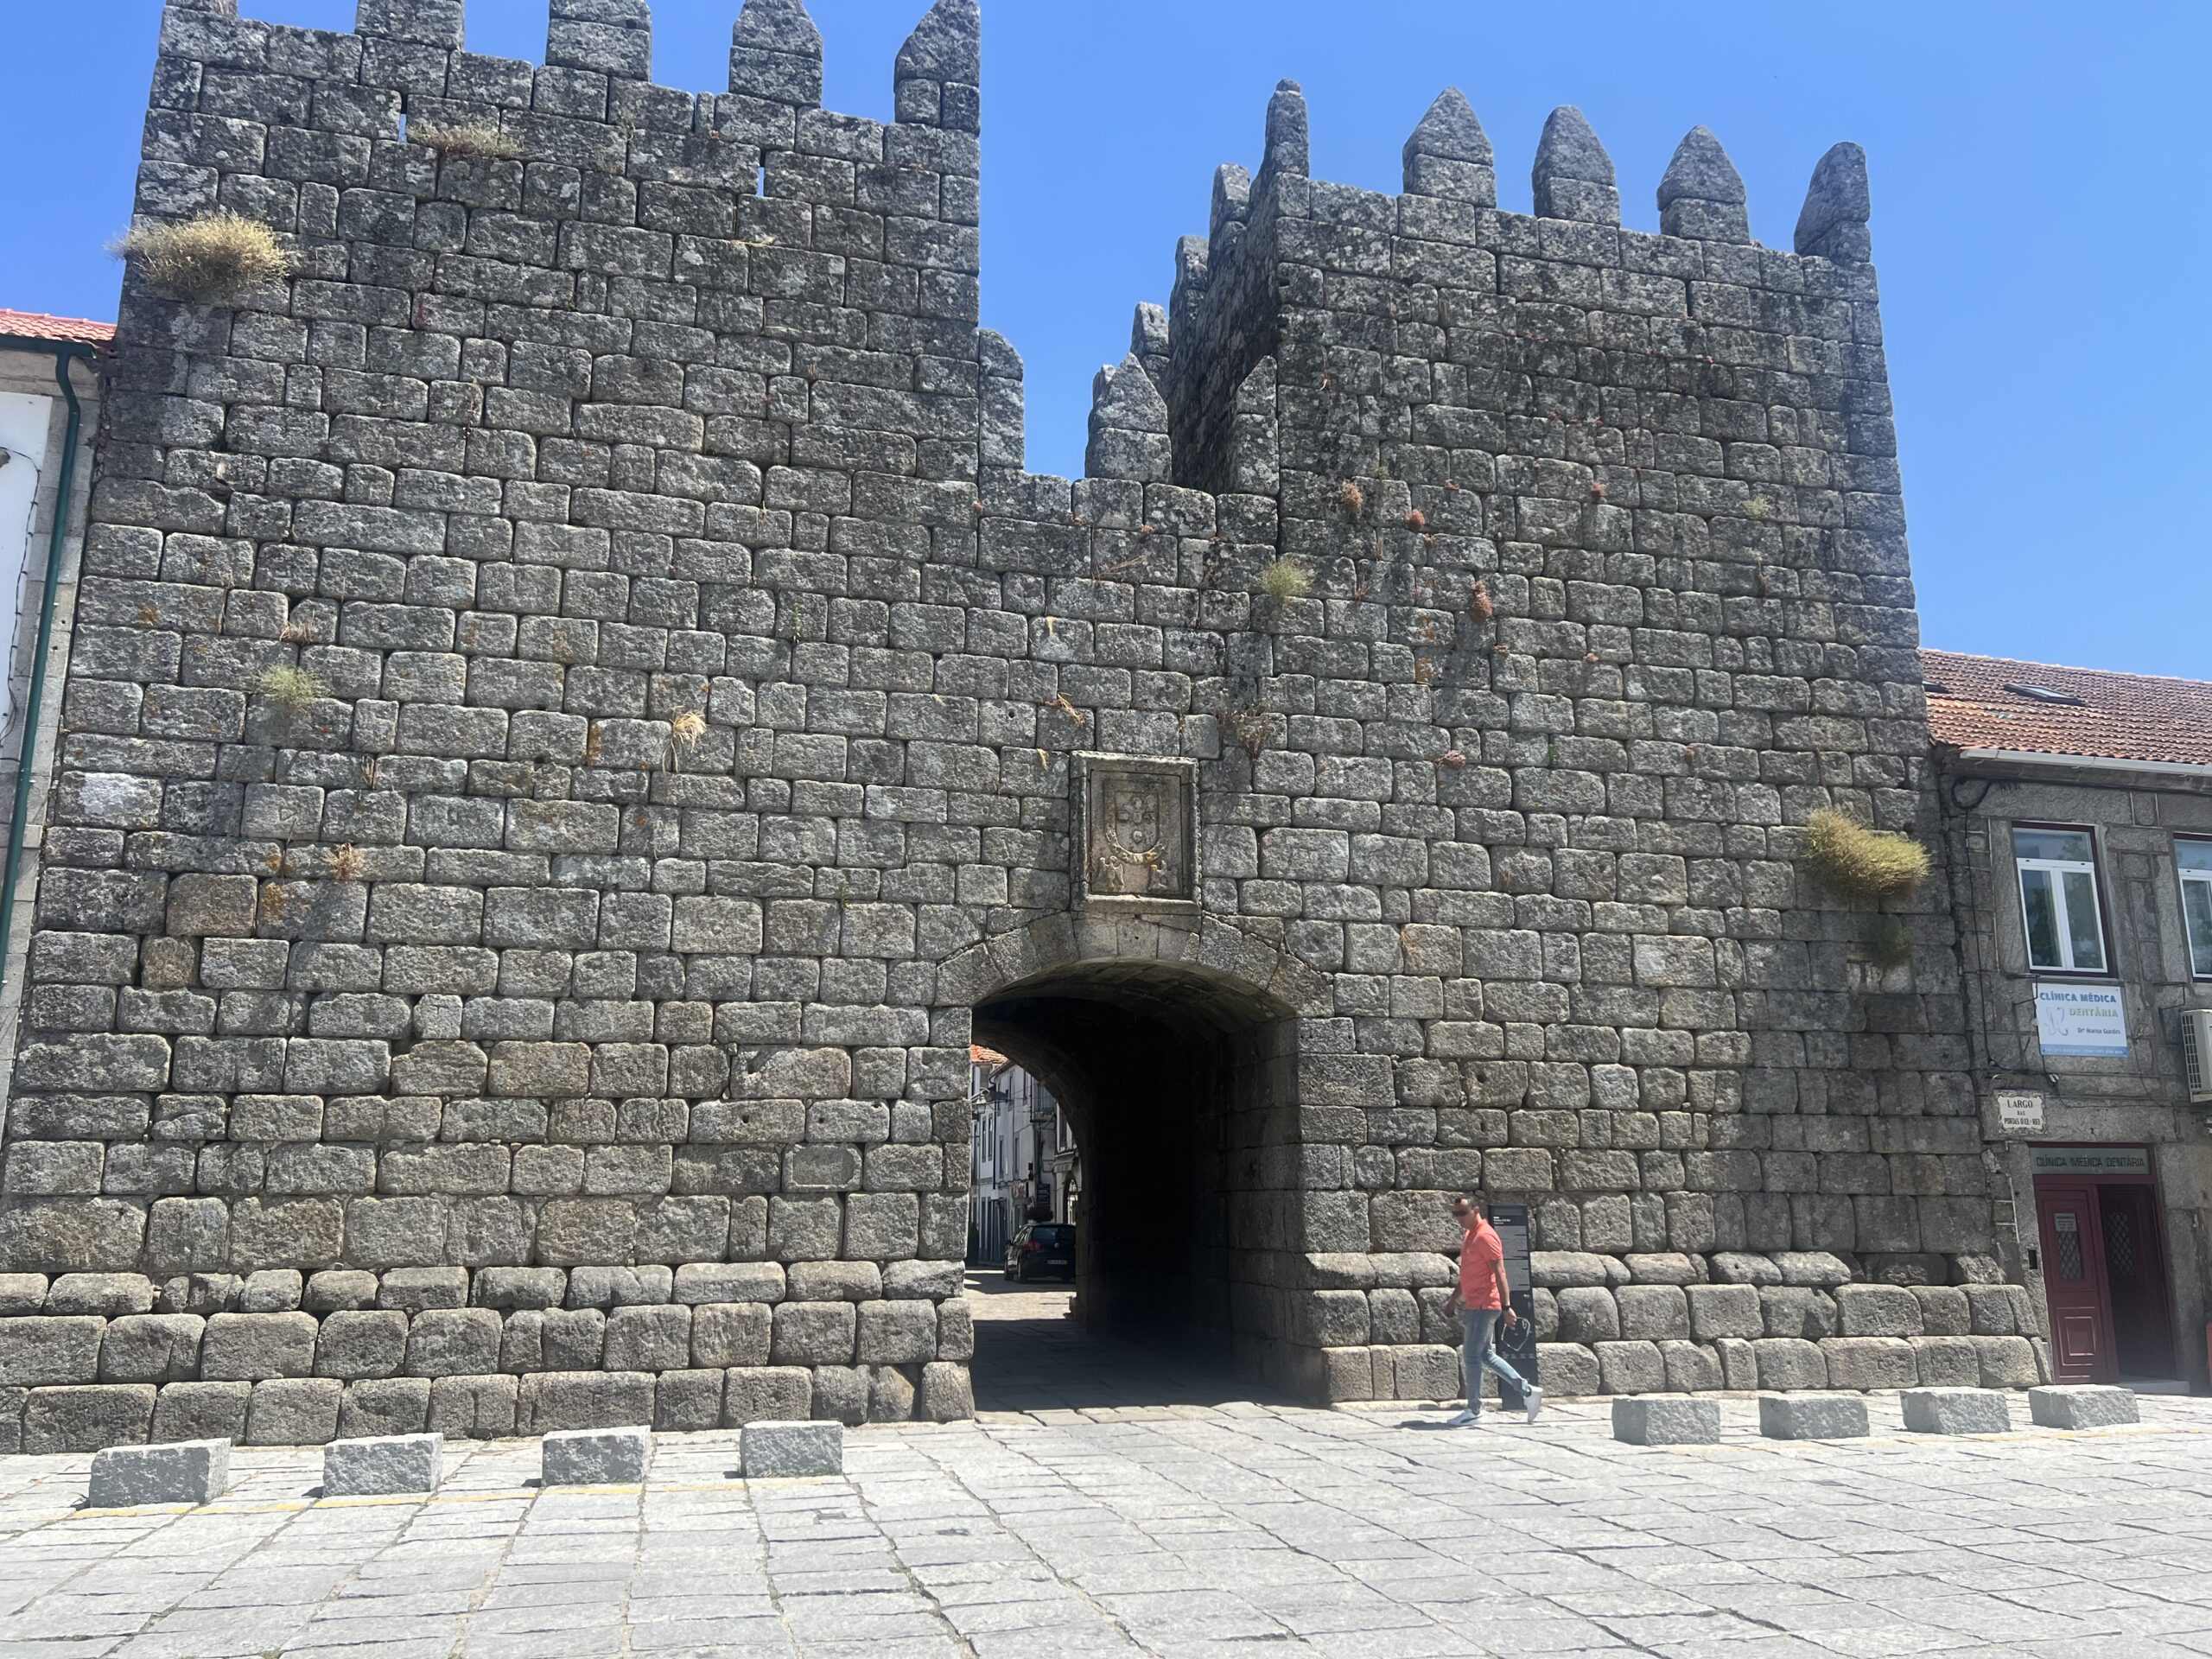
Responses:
[2082,1020]
[2020,1112]
[1517,1347]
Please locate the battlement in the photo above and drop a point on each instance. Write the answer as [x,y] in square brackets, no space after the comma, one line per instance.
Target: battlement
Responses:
[769,135]
[725,210]
[598,64]
[1449,158]
[1222,319]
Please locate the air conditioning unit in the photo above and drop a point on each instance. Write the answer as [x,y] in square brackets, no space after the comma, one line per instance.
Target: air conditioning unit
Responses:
[2197,1052]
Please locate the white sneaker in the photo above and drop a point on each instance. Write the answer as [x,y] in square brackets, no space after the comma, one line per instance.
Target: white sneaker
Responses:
[1466,1420]
[1534,1401]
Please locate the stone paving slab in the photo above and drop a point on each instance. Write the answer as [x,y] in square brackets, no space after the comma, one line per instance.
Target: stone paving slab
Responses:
[1183,1532]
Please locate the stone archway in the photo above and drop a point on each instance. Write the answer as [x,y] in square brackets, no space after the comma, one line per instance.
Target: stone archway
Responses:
[1173,1046]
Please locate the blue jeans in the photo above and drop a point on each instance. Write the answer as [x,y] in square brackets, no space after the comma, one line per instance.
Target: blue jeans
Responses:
[1481,1323]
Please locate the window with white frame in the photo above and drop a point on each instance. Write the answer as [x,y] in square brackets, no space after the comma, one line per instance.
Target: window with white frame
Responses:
[2058,900]
[2193,856]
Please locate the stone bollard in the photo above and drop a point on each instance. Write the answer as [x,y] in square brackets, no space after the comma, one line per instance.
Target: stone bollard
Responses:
[1665,1420]
[186,1472]
[1956,1411]
[781,1451]
[2081,1406]
[1812,1416]
[595,1457]
[382,1465]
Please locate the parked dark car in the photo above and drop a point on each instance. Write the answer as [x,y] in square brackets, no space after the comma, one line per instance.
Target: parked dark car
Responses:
[1042,1249]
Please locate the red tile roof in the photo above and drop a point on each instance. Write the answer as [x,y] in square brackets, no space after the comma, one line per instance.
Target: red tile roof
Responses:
[2119,716]
[36,325]
[978,1055]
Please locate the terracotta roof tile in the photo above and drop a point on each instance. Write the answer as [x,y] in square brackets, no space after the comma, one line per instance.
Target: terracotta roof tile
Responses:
[2119,716]
[978,1055]
[36,325]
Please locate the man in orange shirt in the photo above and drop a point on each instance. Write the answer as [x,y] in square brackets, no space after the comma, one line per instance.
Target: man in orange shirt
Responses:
[1482,1297]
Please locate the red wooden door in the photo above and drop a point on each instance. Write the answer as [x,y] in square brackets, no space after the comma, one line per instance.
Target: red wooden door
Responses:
[2135,1280]
[2074,1279]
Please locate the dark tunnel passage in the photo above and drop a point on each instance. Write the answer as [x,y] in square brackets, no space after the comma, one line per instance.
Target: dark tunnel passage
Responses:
[1179,1087]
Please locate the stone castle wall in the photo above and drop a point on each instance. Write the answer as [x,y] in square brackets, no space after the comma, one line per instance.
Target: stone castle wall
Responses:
[554,1011]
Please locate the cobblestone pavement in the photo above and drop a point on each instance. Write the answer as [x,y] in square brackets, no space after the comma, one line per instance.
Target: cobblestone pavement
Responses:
[1182,1530]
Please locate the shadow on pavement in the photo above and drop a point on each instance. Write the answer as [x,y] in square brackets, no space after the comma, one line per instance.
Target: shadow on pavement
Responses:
[1030,1356]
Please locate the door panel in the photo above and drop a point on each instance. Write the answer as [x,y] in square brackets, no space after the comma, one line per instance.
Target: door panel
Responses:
[2074,1281]
[2135,1272]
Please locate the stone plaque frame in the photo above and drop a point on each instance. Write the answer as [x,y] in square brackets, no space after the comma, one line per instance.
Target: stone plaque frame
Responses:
[1115,790]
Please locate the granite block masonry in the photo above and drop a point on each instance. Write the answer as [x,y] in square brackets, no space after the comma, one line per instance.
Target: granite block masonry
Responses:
[578,716]
[785,1451]
[1955,1411]
[191,1471]
[2081,1406]
[1813,1416]
[595,1457]
[1665,1420]
[383,1463]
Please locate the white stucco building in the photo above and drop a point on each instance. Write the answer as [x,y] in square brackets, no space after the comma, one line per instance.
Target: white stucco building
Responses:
[1025,1162]
[50,385]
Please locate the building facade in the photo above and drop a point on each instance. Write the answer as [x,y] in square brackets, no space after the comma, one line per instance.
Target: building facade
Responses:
[50,396]
[2078,819]
[1026,1167]
[580,717]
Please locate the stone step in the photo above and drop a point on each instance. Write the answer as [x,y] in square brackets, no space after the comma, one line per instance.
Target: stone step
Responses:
[1665,1420]
[595,1457]
[187,1471]
[1812,1416]
[1956,1411]
[2081,1405]
[382,1465]
[781,1451]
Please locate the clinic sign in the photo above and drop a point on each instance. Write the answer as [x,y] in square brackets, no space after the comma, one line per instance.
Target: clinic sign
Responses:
[2089,1161]
[2082,1020]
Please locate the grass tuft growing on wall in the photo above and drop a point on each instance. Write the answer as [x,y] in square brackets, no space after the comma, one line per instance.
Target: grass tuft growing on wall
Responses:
[1859,863]
[214,256]
[467,141]
[1283,580]
[292,690]
[684,734]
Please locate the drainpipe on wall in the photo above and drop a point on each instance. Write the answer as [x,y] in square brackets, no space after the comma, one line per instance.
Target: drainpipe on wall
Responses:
[19,818]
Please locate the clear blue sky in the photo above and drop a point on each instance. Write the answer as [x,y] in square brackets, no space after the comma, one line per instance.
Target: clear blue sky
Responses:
[2039,177]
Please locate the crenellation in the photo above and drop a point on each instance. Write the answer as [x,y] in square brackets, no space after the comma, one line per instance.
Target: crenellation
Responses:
[1288,151]
[1573,176]
[1449,153]
[1701,195]
[1834,221]
[776,54]
[1232,203]
[937,78]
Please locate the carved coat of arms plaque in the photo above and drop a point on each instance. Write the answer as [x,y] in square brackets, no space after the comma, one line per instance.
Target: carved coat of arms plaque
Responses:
[1137,833]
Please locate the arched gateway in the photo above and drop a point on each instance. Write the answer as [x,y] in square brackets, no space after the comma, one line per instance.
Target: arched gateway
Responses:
[576,714]
[1173,1046]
